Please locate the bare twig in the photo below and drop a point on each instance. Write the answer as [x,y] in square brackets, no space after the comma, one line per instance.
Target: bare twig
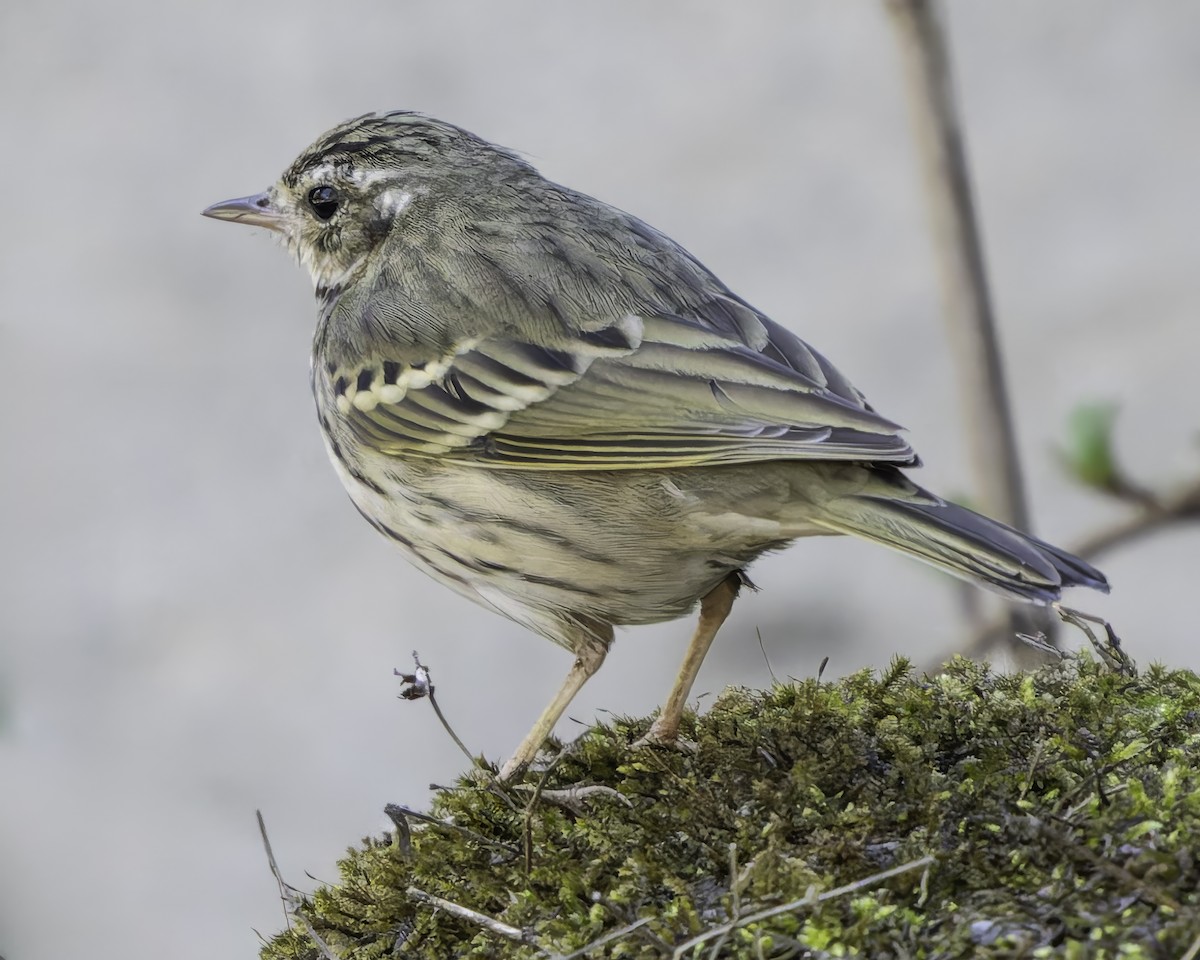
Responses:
[1109,649]
[527,828]
[924,887]
[397,812]
[1081,852]
[291,897]
[315,938]
[1036,640]
[766,659]
[811,900]
[970,319]
[420,685]
[571,796]
[402,840]
[968,305]
[1034,762]
[735,881]
[490,924]
[736,897]
[1153,514]
[607,938]
[286,892]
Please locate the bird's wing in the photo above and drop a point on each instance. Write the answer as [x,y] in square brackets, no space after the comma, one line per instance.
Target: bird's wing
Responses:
[717,384]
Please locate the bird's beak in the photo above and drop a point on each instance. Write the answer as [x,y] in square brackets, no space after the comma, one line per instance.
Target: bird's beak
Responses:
[257,211]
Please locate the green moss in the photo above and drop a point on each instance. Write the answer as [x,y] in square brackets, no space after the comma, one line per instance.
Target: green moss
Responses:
[1061,807]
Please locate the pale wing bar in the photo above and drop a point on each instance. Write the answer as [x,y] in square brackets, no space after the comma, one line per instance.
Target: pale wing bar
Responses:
[504,403]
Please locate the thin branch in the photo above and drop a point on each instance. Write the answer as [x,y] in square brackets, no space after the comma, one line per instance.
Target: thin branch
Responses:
[607,938]
[312,935]
[969,314]
[766,659]
[1080,851]
[924,887]
[808,901]
[396,812]
[490,924]
[571,796]
[970,319]
[735,884]
[285,890]
[735,895]
[527,829]
[420,685]
[291,897]
[402,839]
[1154,513]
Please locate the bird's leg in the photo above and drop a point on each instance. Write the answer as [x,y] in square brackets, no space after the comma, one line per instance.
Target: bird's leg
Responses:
[590,652]
[714,608]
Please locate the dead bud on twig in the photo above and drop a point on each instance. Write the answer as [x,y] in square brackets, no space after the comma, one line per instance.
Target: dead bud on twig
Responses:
[419,686]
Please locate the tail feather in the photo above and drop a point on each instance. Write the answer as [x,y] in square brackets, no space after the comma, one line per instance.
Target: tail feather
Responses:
[963,543]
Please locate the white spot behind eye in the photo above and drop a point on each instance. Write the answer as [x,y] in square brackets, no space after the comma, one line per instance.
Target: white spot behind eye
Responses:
[392,202]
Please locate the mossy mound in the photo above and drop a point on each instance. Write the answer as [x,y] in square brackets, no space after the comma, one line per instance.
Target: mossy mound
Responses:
[1060,810]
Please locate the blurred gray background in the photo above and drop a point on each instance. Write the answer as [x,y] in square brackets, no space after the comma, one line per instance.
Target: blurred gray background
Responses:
[195,623]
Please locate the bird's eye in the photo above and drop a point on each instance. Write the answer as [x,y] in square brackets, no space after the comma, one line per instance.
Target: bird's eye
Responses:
[324,201]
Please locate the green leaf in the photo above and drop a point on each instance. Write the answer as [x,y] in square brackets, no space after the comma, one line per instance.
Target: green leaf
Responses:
[1088,453]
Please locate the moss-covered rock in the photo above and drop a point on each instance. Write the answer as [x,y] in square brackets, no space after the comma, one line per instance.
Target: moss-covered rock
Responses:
[1060,810]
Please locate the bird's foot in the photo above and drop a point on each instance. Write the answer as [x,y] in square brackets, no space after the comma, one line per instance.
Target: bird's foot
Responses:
[513,767]
[665,735]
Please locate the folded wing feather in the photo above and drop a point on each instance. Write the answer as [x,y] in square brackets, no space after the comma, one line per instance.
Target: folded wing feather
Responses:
[659,391]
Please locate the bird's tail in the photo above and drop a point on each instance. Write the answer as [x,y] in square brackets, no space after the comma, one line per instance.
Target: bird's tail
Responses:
[959,541]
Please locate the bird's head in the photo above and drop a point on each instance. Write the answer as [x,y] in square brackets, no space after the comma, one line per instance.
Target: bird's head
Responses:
[367,178]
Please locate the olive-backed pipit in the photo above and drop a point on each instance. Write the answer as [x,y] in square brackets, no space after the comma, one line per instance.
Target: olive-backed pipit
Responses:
[560,413]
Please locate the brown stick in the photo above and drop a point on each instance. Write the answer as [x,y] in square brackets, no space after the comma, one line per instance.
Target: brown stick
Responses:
[970,320]
[1153,514]
[969,315]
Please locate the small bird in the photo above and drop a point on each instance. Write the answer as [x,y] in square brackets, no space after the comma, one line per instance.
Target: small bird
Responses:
[557,411]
